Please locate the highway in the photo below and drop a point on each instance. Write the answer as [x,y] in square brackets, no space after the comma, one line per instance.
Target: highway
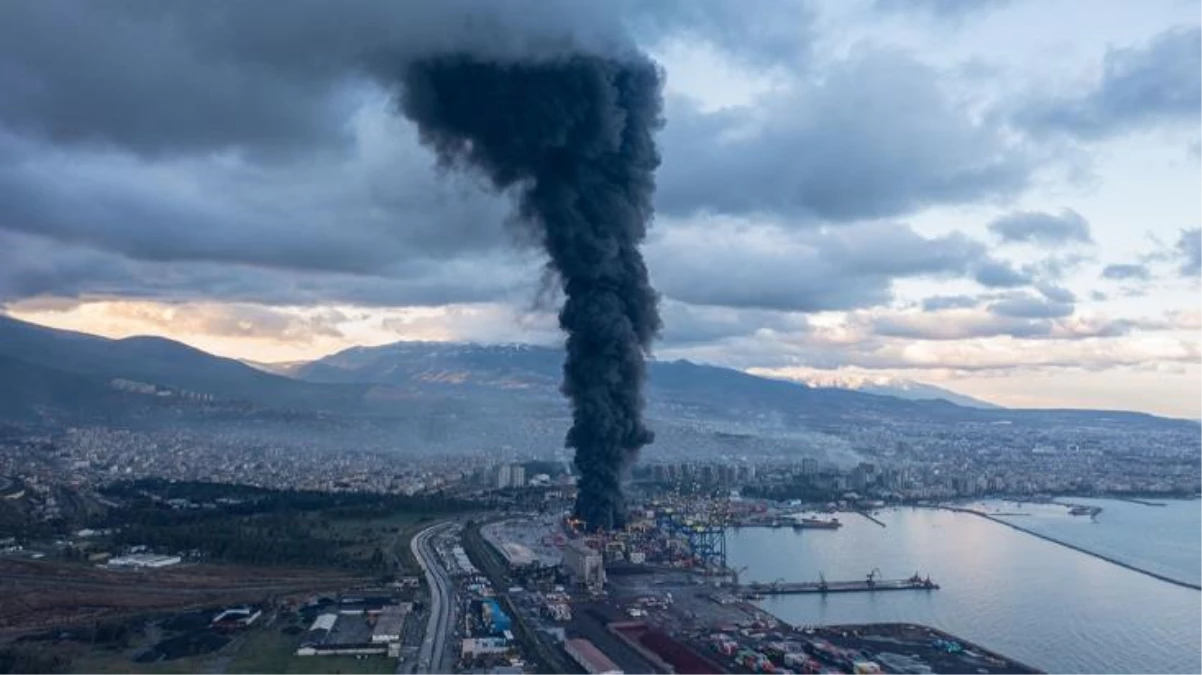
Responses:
[432,655]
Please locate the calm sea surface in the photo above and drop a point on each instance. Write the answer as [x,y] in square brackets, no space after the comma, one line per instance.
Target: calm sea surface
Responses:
[1046,605]
[1155,538]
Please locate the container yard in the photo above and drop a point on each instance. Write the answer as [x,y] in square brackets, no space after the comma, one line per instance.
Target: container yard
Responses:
[659,597]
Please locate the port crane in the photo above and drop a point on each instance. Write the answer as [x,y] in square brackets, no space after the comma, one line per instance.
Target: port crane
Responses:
[876,572]
[734,574]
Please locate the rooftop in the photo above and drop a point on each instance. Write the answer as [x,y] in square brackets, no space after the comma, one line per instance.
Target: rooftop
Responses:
[591,657]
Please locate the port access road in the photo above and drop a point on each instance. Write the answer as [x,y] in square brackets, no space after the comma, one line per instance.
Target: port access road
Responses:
[432,655]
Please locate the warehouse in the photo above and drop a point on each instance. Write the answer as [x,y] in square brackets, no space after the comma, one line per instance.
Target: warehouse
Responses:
[144,560]
[592,659]
[390,623]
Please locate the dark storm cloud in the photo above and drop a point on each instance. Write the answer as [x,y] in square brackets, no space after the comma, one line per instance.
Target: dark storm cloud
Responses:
[807,270]
[1189,251]
[161,77]
[1042,228]
[936,303]
[170,76]
[1126,271]
[32,266]
[1151,84]
[1027,306]
[876,136]
[186,149]
[686,324]
[344,217]
[1000,274]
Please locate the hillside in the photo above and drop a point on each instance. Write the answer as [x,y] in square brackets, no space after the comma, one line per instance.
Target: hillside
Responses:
[32,392]
[165,362]
[473,394]
[676,388]
[898,388]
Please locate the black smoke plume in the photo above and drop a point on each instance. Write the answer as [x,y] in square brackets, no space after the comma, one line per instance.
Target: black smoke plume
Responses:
[573,138]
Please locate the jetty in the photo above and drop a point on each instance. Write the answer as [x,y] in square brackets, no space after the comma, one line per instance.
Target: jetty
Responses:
[1079,549]
[869,516]
[870,585]
[1141,502]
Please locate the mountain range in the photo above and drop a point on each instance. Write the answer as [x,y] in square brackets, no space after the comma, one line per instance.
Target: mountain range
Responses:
[896,387]
[63,375]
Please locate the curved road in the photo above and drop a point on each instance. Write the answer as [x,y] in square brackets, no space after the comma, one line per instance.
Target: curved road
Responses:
[431,657]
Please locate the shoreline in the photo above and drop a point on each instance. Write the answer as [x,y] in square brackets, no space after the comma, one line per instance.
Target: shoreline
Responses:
[1100,556]
[946,635]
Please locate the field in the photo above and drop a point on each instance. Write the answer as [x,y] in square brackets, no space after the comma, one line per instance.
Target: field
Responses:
[43,595]
[262,649]
[273,550]
[270,651]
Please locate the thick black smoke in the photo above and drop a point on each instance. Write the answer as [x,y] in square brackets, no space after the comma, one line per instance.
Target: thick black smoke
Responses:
[574,138]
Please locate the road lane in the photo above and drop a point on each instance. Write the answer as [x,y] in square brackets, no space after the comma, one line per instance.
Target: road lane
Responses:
[431,656]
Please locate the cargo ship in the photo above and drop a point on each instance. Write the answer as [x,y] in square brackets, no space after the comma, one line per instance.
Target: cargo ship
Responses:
[816,524]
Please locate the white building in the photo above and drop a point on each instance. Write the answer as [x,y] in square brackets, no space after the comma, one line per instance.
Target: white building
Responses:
[583,563]
[484,645]
[390,623]
[511,475]
[144,560]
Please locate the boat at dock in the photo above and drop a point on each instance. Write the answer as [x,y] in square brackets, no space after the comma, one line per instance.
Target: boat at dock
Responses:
[871,584]
[816,524]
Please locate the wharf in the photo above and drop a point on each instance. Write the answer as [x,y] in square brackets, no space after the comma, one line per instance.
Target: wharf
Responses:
[792,588]
[869,516]
[1141,502]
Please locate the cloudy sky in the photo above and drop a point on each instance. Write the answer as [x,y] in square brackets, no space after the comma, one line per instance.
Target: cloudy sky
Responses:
[997,197]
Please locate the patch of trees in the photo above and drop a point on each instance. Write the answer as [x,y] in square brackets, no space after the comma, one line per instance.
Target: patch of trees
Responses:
[26,659]
[243,524]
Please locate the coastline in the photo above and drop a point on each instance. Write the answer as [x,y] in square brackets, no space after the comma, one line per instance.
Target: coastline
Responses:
[1018,665]
[1100,556]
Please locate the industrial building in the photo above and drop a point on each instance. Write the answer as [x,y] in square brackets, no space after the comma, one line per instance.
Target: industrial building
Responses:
[583,564]
[517,555]
[480,646]
[592,659]
[236,617]
[144,560]
[511,475]
[340,634]
[494,617]
[390,623]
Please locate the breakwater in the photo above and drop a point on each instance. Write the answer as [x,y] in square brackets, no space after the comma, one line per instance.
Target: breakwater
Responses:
[869,516]
[1141,502]
[1113,561]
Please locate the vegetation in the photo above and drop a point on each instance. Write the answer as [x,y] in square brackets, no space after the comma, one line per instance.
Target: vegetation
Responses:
[29,659]
[270,651]
[244,524]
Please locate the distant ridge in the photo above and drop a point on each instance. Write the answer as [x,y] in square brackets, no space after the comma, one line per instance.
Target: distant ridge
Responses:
[896,387]
[466,382]
[164,362]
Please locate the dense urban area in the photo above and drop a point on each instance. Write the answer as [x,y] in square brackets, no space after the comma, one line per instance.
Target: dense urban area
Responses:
[470,562]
